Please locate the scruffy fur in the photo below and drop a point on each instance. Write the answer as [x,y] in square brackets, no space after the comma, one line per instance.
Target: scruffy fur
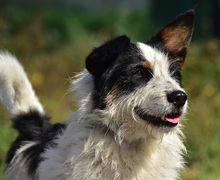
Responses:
[128,125]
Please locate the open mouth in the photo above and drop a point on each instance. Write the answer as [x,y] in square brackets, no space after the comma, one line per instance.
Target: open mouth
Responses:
[169,120]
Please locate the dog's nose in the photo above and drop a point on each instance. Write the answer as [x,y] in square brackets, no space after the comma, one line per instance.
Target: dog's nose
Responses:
[178,98]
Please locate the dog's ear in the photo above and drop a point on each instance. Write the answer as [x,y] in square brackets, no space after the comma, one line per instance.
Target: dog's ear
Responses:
[102,57]
[175,37]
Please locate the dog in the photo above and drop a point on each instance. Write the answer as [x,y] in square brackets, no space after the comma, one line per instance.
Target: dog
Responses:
[129,122]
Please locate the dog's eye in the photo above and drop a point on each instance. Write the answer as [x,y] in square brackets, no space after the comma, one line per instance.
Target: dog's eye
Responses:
[177,75]
[142,73]
[175,71]
[139,73]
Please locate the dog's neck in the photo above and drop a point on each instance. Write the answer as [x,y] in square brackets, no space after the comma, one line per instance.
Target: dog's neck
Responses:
[99,150]
[130,160]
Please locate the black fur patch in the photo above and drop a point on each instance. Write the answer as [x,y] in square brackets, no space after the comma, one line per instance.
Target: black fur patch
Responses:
[122,70]
[34,127]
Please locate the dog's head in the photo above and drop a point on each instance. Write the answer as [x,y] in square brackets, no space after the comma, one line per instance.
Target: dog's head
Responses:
[138,85]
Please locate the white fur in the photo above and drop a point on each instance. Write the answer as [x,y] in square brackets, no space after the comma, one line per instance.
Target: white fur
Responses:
[129,149]
[105,144]
[161,82]
[16,170]
[16,92]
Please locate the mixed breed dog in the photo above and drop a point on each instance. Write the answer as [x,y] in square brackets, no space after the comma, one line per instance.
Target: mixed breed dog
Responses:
[128,125]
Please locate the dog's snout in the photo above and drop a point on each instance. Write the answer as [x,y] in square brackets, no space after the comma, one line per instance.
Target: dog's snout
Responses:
[178,98]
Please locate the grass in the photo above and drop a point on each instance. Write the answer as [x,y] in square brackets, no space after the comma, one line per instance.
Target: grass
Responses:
[52,46]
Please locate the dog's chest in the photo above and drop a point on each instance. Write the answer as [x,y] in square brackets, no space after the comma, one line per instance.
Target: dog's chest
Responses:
[100,157]
[109,160]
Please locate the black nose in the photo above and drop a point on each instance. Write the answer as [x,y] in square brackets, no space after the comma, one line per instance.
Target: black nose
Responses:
[178,98]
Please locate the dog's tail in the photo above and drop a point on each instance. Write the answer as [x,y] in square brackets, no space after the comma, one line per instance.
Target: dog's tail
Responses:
[35,132]
[16,92]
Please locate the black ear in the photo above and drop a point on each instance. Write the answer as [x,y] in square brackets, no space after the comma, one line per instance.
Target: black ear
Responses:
[175,37]
[102,57]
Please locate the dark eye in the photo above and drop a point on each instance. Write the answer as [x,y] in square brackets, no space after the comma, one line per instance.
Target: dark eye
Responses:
[175,71]
[177,75]
[139,73]
[143,73]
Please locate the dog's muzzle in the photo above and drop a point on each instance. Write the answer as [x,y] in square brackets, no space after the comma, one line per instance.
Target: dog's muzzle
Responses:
[170,119]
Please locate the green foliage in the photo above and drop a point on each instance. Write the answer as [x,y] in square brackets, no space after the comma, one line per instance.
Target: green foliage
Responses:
[53,44]
[6,137]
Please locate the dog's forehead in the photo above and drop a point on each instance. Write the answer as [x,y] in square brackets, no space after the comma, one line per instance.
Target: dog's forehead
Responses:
[155,57]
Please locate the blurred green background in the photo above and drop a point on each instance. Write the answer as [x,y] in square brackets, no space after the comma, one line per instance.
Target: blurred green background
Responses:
[52,39]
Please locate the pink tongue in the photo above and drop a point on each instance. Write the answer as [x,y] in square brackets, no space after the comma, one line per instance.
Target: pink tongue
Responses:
[173,120]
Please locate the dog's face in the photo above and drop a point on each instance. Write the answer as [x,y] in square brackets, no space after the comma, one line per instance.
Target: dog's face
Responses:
[138,85]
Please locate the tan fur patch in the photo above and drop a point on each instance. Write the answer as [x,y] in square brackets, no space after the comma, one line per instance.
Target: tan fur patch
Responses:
[146,64]
[176,41]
